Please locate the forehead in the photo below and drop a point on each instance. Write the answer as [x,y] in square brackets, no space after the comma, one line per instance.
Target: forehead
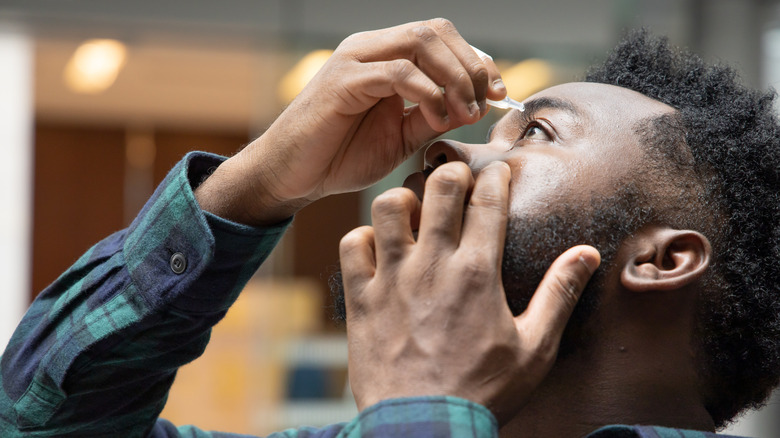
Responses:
[594,126]
[603,104]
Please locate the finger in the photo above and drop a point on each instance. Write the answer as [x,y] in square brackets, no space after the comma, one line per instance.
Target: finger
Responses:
[496,89]
[416,130]
[423,46]
[369,83]
[560,289]
[356,255]
[451,37]
[398,42]
[460,79]
[367,35]
[391,214]
[442,207]
[484,226]
[475,67]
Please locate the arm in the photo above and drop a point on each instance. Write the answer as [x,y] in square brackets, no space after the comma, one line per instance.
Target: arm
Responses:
[96,353]
[98,350]
[349,127]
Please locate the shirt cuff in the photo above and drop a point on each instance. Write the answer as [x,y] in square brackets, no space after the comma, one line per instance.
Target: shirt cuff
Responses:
[179,255]
[434,416]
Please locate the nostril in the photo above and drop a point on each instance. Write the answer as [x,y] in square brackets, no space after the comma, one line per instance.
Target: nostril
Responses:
[446,151]
[443,151]
[439,159]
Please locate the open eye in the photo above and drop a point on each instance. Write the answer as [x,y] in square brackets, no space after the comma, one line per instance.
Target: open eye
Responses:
[534,131]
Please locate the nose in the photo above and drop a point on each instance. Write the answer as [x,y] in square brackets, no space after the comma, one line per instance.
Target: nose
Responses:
[445,151]
[477,156]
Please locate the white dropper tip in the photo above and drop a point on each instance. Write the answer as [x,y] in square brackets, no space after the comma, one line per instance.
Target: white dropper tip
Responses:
[505,103]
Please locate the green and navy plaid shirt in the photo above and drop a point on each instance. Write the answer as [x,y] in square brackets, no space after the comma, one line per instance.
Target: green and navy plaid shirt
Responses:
[98,350]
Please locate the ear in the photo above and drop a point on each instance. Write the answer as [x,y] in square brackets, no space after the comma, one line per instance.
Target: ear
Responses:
[662,259]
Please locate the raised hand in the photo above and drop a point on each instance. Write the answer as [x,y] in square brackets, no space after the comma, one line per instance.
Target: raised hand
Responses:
[350,127]
[428,315]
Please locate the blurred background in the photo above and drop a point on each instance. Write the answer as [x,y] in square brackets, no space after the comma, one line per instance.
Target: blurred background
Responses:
[99,99]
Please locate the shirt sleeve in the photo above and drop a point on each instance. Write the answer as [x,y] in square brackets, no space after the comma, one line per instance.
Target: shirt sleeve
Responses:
[646,431]
[97,351]
[433,416]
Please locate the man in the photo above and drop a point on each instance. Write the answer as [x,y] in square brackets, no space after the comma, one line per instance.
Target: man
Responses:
[673,177]
[645,176]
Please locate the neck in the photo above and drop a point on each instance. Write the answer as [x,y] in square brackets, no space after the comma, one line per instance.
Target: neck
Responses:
[635,377]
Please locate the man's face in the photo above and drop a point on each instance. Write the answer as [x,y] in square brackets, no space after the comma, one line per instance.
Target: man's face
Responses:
[572,141]
[574,155]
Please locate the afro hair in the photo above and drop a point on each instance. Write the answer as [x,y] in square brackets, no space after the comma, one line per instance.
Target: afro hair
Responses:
[731,132]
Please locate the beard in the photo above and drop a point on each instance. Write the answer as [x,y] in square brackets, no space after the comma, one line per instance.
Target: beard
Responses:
[534,242]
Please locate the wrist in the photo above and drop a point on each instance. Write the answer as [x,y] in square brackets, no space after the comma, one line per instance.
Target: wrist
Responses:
[232,193]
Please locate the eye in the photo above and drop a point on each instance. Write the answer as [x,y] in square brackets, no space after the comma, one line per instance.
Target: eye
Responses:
[534,131]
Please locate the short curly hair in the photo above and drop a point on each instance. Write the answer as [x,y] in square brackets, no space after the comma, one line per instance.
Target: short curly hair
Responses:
[732,134]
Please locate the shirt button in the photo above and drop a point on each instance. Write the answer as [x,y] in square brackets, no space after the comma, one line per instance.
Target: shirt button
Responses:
[178,263]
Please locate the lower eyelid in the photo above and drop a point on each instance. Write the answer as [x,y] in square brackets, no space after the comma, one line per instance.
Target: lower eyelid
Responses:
[536,125]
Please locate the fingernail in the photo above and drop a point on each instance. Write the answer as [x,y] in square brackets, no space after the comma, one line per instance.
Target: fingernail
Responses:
[446,120]
[498,85]
[473,109]
[482,106]
[592,263]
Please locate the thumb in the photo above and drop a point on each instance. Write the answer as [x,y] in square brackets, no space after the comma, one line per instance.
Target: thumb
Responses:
[418,127]
[554,300]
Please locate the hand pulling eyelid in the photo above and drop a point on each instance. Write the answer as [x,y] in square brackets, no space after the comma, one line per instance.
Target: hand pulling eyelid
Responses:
[505,103]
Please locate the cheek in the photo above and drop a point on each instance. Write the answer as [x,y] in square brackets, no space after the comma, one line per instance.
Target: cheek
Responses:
[545,182]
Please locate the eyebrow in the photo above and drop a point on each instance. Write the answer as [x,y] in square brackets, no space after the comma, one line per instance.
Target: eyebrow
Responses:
[539,104]
[542,103]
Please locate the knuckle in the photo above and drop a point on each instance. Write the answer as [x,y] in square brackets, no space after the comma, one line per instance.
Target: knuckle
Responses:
[354,37]
[479,74]
[424,33]
[488,199]
[400,69]
[393,254]
[442,24]
[354,239]
[462,76]
[434,92]
[567,292]
[392,202]
[476,268]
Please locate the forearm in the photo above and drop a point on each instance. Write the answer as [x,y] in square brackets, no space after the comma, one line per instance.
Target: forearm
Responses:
[240,189]
[97,351]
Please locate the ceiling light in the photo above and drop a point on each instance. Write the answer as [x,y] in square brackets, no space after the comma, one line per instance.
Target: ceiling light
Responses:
[94,66]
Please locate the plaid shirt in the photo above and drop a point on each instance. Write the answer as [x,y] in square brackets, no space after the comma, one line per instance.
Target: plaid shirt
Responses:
[98,350]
